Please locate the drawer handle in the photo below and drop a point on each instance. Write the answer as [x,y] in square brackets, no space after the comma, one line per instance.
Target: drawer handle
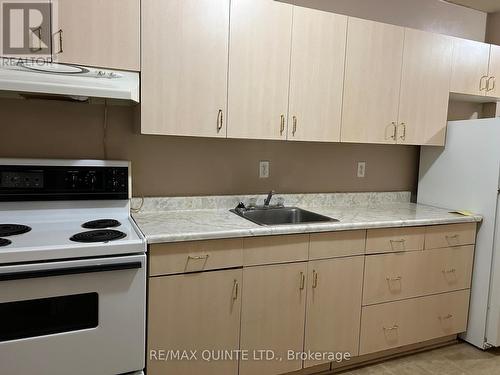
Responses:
[198,257]
[449,316]
[452,237]
[393,328]
[302,281]
[451,270]
[236,287]
[402,242]
[315,279]
[397,278]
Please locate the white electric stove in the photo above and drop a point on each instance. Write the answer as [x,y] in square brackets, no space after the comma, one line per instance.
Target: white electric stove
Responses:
[72,269]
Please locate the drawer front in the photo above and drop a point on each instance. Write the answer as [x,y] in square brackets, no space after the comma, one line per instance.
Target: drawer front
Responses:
[450,235]
[195,256]
[444,314]
[447,269]
[388,325]
[390,277]
[337,244]
[395,240]
[275,249]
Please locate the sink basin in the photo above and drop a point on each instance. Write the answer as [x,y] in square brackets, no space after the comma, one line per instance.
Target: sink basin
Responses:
[282,215]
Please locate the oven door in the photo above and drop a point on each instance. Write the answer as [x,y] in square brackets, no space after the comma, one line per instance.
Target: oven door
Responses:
[73,317]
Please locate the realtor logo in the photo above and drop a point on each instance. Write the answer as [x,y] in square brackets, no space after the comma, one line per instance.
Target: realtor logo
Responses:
[26,28]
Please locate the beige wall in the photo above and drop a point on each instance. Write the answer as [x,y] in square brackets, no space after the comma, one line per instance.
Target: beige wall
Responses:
[191,166]
[493,28]
[431,15]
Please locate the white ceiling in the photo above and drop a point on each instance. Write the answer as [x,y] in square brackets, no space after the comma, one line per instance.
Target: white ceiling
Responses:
[488,6]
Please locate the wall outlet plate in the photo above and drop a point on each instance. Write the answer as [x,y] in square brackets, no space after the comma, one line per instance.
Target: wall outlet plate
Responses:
[361,169]
[264,168]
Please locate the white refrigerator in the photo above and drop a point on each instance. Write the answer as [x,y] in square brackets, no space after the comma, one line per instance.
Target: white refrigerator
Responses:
[465,175]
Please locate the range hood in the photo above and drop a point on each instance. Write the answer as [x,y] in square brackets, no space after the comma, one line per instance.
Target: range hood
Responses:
[79,83]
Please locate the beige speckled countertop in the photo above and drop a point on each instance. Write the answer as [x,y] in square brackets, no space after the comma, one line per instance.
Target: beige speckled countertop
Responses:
[202,218]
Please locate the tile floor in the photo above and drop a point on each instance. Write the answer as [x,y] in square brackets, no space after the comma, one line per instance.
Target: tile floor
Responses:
[458,359]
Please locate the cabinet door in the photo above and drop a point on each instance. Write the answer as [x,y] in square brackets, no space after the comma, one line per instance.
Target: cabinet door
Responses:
[425,88]
[470,67]
[317,75]
[273,316]
[102,33]
[184,67]
[372,81]
[259,65]
[494,86]
[334,306]
[198,311]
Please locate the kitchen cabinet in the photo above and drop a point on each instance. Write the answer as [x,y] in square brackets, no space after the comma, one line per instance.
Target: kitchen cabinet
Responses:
[194,311]
[470,67]
[317,75]
[259,67]
[333,306]
[184,67]
[425,88]
[493,88]
[101,33]
[272,317]
[372,82]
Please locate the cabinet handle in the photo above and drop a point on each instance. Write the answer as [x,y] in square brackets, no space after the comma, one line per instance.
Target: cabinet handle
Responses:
[454,237]
[397,278]
[493,79]
[393,328]
[220,121]
[236,287]
[403,136]
[282,124]
[60,32]
[198,257]
[394,130]
[302,281]
[481,86]
[294,130]
[449,316]
[401,241]
[451,270]
[315,279]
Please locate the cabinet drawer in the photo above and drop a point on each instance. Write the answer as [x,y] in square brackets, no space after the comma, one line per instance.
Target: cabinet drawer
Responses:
[390,277]
[447,269]
[394,240]
[394,324]
[450,235]
[337,244]
[275,249]
[195,256]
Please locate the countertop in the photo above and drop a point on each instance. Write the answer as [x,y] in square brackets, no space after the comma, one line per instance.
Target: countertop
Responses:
[176,225]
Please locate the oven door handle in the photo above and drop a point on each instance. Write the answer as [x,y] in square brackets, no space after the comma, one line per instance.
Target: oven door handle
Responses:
[33,274]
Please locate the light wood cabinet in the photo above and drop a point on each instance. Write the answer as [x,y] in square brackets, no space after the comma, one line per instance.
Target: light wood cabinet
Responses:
[275,249]
[337,244]
[317,75]
[390,240]
[333,306]
[259,68]
[425,88]
[272,317]
[372,82]
[493,88]
[199,311]
[101,33]
[450,235]
[184,67]
[470,67]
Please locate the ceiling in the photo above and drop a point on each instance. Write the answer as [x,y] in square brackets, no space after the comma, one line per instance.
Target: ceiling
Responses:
[488,6]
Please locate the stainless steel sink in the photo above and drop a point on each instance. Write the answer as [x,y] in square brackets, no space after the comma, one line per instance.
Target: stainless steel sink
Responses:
[281,215]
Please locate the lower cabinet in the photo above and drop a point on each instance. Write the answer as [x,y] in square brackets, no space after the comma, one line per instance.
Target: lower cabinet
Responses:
[334,294]
[198,311]
[272,317]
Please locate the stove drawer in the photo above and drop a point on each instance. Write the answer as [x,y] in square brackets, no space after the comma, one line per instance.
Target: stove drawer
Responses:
[195,256]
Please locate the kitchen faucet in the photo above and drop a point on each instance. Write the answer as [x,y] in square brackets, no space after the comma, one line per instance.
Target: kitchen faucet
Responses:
[268,199]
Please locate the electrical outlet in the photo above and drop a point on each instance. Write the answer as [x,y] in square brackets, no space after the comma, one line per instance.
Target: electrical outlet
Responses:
[264,169]
[361,169]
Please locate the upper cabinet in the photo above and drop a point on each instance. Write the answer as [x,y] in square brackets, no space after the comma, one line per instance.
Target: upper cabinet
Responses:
[372,82]
[184,67]
[101,33]
[471,67]
[259,69]
[317,75]
[493,89]
[425,88]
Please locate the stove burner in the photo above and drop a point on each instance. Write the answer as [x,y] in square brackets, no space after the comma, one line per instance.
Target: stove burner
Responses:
[98,236]
[4,242]
[13,229]
[101,224]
